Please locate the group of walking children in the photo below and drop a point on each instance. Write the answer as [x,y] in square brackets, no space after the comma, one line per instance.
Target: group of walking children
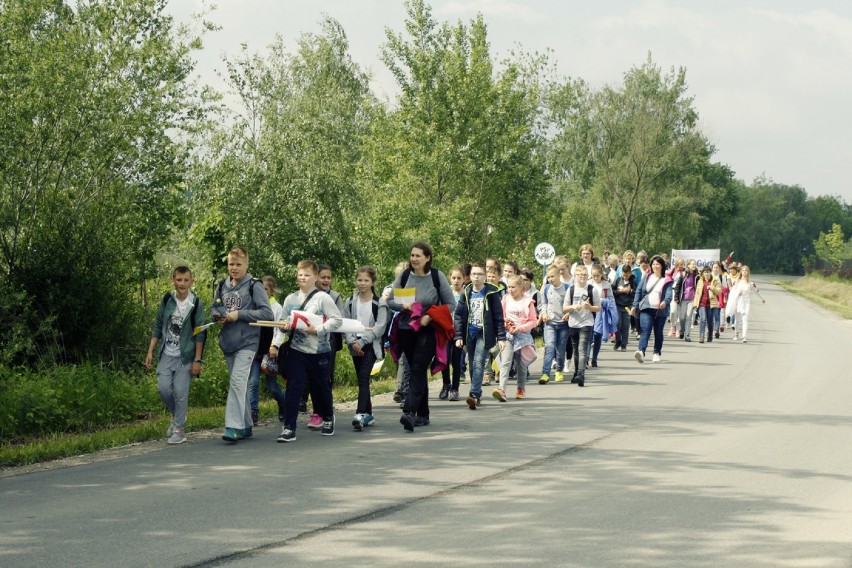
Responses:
[436,325]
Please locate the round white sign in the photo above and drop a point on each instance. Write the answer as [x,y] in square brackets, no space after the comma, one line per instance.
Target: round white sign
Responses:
[545,253]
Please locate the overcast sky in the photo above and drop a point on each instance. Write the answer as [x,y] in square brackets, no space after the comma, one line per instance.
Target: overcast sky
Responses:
[772,80]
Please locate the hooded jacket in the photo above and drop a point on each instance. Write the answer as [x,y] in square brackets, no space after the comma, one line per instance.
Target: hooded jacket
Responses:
[493,326]
[251,304]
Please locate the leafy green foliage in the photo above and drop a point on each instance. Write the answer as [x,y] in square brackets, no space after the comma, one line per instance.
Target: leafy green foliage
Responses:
[831,247]
[89,173]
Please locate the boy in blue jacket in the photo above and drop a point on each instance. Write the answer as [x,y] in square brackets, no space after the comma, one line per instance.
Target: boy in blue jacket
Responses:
[478,322]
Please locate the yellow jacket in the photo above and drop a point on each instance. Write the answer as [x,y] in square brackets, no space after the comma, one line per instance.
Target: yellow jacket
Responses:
[715,290]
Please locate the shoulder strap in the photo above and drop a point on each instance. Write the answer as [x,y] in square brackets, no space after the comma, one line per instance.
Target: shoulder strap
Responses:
[166,298]
[403,280]
[591,290]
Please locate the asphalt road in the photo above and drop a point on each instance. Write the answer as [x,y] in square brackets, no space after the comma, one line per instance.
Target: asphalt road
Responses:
[722,455]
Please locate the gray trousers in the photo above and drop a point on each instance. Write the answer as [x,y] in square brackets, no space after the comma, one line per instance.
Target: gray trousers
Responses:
[173,380]
[238,407]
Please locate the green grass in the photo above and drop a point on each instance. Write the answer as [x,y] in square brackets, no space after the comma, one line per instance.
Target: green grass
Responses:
[831,293]
[63,445]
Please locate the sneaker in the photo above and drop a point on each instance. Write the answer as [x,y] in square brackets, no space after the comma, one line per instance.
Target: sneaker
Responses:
[280,412]
[594,363]
[687,339]
[445,392]
[472,402]
[407,420]
[287,435]
[303,407]
[358,422]
[315,423]
[575,378]
[581,381]
[624,348]
[701,340]
[454,395]
[744,340]
[171,430]
[327,427]
[255,416]
[397,396]
[230,435]
[521,394]
[499,394]
[735,337]
[639,356]
[421,421]
[544,379]
[368,420]
[177,437]
[717,335]
[655,358]
[486,380]
[244,433]
[615,346]
[558,377]
[671,332]
[722,329]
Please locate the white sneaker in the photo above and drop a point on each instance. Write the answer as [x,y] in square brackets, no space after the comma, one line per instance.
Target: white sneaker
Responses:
[656,358]
[639,356]
[744,340]
[735,337]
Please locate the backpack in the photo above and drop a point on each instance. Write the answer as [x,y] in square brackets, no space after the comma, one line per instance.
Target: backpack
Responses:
[589,289]
[385,338]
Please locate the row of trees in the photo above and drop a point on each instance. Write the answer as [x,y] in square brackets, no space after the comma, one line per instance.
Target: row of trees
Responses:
[115,164]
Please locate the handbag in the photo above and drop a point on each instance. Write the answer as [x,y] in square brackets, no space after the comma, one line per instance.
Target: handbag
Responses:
[284,348]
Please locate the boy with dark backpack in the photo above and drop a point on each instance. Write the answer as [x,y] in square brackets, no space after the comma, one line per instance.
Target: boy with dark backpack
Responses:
[581,301]
[180,352]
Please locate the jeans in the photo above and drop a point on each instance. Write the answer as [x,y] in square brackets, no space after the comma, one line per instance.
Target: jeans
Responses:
[238,409]
[652,320]
[476,360]
[717,313]
[307,370]
[402,375]
[596,346]
[419,349]
[173,380]
[254,386]
[706,321]
[580,341]
[363,370]
[684,317]
[555,344]
[622,334]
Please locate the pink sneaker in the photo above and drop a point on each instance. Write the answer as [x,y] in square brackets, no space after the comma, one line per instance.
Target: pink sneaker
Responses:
[315,423]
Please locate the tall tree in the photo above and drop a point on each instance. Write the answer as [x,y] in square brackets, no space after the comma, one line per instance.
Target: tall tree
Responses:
[457,155]
[283,176]
[632,155]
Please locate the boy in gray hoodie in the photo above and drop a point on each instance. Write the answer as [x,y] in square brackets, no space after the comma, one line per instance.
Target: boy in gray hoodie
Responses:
[238,301]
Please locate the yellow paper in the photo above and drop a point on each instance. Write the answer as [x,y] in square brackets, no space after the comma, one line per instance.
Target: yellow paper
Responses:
[404,295]
[377,366]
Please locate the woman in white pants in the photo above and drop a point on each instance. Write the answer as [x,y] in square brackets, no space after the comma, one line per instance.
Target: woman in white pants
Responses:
[743,291]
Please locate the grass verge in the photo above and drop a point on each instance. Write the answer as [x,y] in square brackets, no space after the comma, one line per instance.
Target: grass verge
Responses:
[831,293]
[56,446]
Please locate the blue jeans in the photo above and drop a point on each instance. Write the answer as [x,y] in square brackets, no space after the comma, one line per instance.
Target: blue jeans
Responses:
[476,353]
[706,320]
[652,320]
[254,386]
[555,343]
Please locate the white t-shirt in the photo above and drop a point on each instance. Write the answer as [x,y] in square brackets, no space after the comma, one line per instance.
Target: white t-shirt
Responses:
[654,291]
[365,312]
[172,339]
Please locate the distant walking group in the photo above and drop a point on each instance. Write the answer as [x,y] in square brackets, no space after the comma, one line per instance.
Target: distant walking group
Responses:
[482,321]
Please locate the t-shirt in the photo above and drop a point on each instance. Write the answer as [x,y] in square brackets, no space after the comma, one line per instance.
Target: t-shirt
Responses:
[517,311]
[172,339]
[582,317]
[364,311]
[476,309]
[654,288]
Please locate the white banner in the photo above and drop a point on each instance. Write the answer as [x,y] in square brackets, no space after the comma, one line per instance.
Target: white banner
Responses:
[702,257]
